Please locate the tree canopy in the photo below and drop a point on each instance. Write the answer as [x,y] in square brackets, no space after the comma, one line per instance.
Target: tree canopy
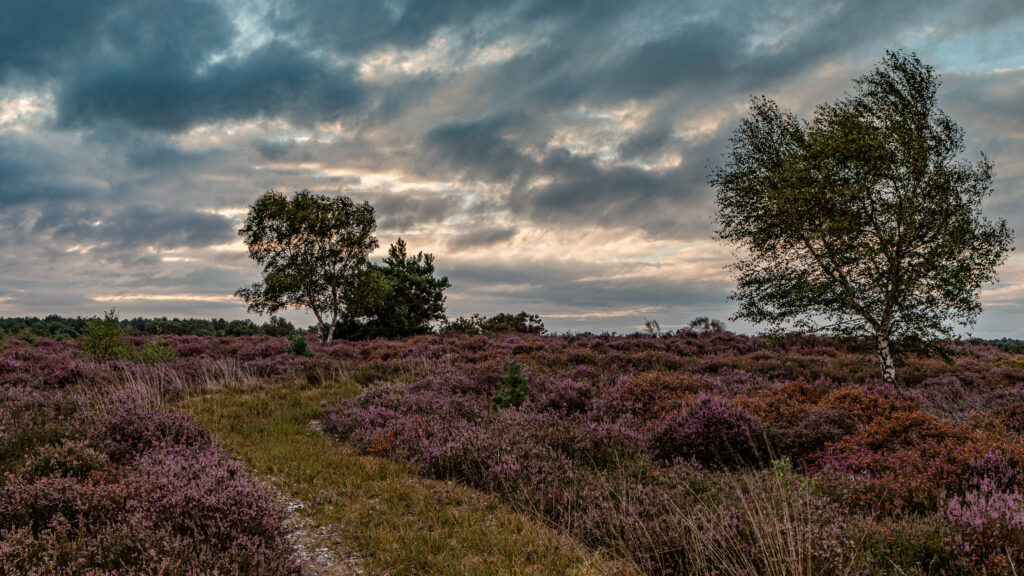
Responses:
[863,220]
[313,250]
[398,298]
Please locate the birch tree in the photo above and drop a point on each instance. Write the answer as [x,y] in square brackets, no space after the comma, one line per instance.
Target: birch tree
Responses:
[312,248]
[864,220]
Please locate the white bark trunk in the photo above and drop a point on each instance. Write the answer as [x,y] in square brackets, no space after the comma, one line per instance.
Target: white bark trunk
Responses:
[885,359]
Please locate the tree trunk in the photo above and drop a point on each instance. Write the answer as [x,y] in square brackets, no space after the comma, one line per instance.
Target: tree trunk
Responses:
[885,359]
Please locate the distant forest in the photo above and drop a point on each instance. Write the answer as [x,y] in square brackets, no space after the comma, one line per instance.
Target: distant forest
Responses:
[58,327]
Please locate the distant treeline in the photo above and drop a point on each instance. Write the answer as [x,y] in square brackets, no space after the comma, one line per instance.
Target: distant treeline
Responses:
[59,327]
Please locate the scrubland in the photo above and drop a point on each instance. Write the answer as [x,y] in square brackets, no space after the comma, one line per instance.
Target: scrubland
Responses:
[692,453]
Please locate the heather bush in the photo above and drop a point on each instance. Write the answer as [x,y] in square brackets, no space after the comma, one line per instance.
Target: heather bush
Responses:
[212,510]
[130,430]
[609,422]
[808,433]
[991,527]
[651,448]
[33,418]
[562,395]
[71,457]
[97,481]
[713,431]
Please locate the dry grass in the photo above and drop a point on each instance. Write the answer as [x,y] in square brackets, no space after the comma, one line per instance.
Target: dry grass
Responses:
[399,523]
[781,532]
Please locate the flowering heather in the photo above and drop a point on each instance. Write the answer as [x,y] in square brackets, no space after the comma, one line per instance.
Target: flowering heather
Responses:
[637,444]
[689,453]
[97,480]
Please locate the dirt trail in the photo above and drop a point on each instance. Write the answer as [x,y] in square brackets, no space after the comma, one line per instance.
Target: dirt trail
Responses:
[317,546]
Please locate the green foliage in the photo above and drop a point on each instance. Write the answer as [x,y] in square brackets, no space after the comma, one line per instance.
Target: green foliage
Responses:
[864,220]
[1010,345]
[104,338]
[61,328]
[521,323]
[26,334]
[462,325]
[241,328]
[312,249]
[514,387]
[156,352]
[299,347]
[278,327]
[398,298]
[705,324]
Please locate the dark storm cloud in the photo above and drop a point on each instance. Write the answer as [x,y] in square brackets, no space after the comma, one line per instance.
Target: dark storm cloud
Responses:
[165,65]
[276,80]
[35,35]
[355,26]
[274,150]
[477,148]
[651,140]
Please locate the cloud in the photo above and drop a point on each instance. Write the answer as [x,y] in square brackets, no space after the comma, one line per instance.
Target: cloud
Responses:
[275,80]
[402,211]
[482,237]
[476,148]
[552,155]
[35,36]
[141,226]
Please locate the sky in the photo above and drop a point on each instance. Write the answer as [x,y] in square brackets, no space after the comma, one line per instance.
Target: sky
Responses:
[552,155]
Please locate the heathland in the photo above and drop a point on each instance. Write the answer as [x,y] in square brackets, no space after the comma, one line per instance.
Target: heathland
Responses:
[689,453]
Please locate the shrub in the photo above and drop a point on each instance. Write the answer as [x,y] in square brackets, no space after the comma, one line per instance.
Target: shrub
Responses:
[991,528]
[104,338]
[131,430]
[810,432]
[75,458]
[521,323]
[563,396]
[278,327]
[513,389]
[209,510]
[298,346]
[156,352]
[713,432]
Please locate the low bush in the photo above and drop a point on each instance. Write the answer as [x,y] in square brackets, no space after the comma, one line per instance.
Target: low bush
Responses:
[130,430]
[714,432]
[514,388]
